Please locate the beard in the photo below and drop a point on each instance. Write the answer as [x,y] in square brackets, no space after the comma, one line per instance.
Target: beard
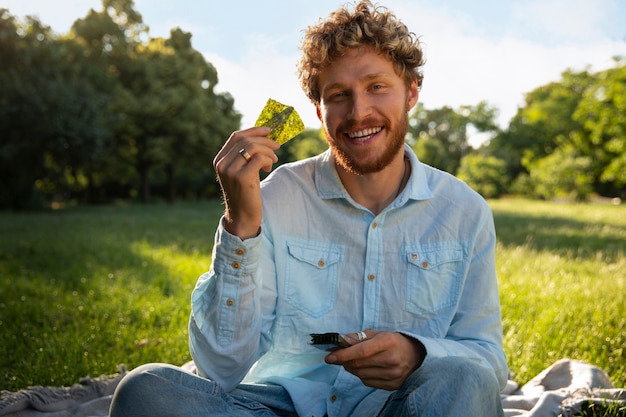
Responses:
[352,163]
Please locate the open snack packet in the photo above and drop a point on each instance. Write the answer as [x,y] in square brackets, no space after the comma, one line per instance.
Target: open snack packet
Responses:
[282,119]
[334,341]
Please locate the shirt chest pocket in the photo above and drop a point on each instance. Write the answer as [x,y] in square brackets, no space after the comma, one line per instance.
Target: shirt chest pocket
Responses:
[311,276]
[434,277]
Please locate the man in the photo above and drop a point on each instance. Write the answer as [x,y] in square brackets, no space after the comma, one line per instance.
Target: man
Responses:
[362,240]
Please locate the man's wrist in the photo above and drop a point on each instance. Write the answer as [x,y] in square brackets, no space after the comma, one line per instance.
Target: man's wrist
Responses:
[419,349]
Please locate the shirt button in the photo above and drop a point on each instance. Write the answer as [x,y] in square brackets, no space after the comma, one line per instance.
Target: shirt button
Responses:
[240,251]
[321,263]
[371,277]
[333,398]
[425,264]
[230,302]
[374,225]
[236,265]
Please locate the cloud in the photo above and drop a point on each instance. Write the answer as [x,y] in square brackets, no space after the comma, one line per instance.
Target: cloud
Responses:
[483,51]
[467,63]
[501,72]
[261,74]
[565,20]
[50,13]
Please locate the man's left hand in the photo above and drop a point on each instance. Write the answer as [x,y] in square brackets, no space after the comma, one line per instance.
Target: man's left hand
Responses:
[383,360]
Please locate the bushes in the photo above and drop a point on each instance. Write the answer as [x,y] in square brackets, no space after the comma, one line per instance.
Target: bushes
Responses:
[485,174]
[564,174]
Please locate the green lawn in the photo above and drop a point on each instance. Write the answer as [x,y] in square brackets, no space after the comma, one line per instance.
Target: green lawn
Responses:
[562,274]
[86,289]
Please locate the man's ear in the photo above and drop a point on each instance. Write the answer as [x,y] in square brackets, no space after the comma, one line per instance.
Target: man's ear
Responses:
[413,95]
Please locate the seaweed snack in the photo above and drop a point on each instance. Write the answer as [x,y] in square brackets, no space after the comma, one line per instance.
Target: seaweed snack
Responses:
[282,119]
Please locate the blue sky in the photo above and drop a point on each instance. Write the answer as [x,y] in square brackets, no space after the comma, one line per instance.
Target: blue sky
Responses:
[494,50]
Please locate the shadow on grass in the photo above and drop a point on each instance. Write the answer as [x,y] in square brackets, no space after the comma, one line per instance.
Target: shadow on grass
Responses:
[91,240]
[80,287]
[560,235]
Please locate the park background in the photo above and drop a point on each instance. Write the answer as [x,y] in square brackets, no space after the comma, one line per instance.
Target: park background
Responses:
[109,198]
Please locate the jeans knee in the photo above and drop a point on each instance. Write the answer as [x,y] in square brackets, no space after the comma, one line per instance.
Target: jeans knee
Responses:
[135,385]
[470,373]
[134,382]
[460,372]
[448,387]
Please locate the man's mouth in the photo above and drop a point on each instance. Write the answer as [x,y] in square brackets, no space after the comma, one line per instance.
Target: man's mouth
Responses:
[364,134]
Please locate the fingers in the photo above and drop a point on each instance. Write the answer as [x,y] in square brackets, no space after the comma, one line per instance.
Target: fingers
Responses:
[372,362]
[357,337]
[237,167]
[383,360]
[359,348]
[245,155]
[259,151]
[257,154]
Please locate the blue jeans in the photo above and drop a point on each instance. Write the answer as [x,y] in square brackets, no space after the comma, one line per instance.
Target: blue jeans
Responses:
[446,387]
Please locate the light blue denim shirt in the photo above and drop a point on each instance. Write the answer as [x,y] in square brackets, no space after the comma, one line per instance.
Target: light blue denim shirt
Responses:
[424,266]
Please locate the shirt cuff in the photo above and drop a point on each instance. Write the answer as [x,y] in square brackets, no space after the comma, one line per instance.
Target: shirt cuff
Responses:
[234,264]
[234,254]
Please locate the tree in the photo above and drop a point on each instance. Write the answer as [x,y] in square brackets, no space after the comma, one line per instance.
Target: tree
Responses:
[47,110]
[308,143]
[105,106]
[602,137]
[562,174]
[115,36]
[485,174]
[443,132]
[430,151]
[578,119]
[21,105]
[199,119]
[169,117]
[445,127]
[547,117]
[83,124]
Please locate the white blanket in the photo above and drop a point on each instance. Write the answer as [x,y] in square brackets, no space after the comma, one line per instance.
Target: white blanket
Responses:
[559,390]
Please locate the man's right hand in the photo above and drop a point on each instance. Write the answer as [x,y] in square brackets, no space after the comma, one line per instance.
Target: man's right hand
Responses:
[239,178]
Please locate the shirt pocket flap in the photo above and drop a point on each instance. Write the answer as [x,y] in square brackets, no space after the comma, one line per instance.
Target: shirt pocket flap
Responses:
[428,259]
[318,257]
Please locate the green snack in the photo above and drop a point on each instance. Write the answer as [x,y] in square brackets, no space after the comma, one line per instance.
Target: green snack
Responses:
[283,120]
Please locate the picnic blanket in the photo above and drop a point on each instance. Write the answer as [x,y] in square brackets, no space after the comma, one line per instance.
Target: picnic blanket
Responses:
[561,389]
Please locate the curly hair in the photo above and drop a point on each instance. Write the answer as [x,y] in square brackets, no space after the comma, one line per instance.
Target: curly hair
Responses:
[367,25]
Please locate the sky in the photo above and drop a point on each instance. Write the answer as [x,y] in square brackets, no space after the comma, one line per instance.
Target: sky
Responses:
[491,50]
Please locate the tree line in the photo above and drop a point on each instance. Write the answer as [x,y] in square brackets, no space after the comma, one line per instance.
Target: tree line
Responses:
[567,141]
[107,112]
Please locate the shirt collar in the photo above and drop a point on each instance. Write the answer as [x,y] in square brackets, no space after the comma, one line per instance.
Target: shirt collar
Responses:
[329,185]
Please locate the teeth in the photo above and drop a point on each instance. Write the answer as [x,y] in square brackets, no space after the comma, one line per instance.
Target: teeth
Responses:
[364,133]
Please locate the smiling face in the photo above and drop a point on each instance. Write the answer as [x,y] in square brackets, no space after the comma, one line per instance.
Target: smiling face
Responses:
[364,108]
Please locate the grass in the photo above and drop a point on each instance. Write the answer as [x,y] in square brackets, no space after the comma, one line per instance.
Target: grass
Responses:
[86,289]
[562,273]
[602,410]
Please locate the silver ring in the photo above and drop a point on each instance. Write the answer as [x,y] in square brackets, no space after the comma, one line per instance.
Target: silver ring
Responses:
[245,154]
[361,335]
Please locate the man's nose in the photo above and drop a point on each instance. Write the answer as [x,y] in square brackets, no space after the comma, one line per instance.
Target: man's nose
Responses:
[360,106]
